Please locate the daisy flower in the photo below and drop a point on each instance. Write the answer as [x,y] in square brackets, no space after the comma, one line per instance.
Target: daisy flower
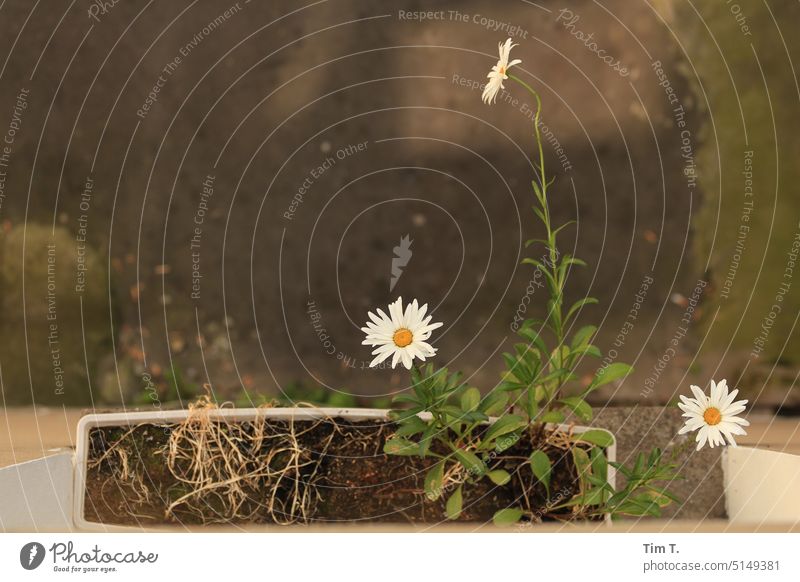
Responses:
[401,334]
[715,416]
[498,73]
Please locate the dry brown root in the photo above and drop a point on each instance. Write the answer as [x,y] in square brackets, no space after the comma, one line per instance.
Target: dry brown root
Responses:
[242,471]
[127,475]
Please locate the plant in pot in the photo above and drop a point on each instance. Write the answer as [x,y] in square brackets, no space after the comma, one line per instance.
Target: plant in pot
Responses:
[514,435]
[446,451]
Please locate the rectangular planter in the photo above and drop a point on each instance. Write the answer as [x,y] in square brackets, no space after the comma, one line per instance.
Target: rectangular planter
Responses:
[131,419]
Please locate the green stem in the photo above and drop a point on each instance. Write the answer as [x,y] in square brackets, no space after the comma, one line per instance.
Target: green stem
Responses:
[558,292]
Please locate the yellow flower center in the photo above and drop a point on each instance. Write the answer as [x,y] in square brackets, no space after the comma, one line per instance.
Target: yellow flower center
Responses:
[712,416]
[402,337]
[502,70]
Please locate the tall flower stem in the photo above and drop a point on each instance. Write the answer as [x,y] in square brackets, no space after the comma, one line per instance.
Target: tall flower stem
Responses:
[555,275]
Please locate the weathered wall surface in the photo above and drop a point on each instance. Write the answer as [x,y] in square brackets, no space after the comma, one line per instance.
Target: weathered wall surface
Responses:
[254,165]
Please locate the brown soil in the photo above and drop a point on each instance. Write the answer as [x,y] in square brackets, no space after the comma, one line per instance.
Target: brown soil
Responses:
[129,481]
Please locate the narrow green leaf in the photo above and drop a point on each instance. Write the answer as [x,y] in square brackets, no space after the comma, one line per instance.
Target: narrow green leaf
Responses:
[563,226]
[400,446]
[411,426]
[599,466]
[494,403]
[609,374]
[541,467]
[579,406]
[470,462]
[405,398]
[506,517]
[454,504]
[504,425]
[426,439]
[583,335]
[470,399]
[582,463]
[433,481]
[587,350]
[531,241]
[576,307]
[505,442]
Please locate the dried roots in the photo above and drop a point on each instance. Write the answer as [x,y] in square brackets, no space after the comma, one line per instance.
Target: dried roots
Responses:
[242,471]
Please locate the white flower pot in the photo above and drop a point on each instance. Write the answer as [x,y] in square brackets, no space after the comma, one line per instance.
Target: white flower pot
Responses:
[130,419]
[761,487]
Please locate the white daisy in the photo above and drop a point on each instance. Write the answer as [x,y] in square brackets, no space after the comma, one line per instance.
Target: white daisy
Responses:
[715,416]
[402,335]
[498,73]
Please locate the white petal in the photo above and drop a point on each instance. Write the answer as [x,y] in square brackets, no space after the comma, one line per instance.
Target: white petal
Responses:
[410,308]
[733,410]
[726,426]
[728,400]
[695,423]
[736,420]
[702,436]
[700,396]
[385,348]
[689,405]
[378,359]
[396,312]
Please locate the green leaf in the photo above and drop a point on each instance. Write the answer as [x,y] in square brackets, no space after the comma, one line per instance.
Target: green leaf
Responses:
[553,416]
[474,417]
[400,446]
[541,467]
[470,399]
[426,439]
[453,411]
[578,305]
[405,398]
[504,443]
[583,335]
[499,477]
[470,462]
[593,496]
[494,403]
[579,406]
[588,350]
[453,506]
[534,337]
[504,425]
[506,517]
[609,374]
[543,269]
[599,466]
[532,402]
[531,241]
[563,226]
[411,426]
[541,215]
[582,463]
[601,438]
[433,481]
